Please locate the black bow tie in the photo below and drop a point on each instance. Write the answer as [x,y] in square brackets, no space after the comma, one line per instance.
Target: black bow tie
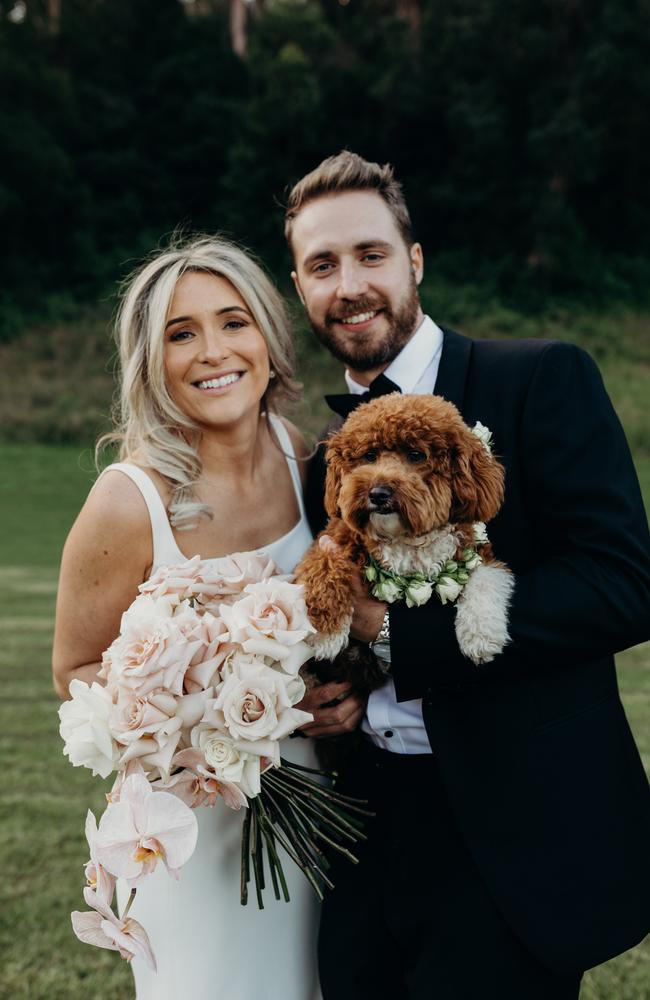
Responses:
[346,402]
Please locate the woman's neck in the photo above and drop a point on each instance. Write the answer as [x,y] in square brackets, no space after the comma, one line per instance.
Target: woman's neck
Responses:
[233,453]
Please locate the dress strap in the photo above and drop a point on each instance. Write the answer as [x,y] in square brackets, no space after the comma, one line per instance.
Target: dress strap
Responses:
[165,549]
[286,444]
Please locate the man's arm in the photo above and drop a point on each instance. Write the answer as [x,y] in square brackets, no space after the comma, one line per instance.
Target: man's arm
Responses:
[587,595]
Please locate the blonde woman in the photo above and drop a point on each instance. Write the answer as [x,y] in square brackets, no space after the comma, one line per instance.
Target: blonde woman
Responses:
[206,466]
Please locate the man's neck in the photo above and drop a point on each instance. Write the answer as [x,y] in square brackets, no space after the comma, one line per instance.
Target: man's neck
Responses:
[366,377]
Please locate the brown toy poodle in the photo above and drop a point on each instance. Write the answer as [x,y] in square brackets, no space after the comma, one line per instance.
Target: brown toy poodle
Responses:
[409,487]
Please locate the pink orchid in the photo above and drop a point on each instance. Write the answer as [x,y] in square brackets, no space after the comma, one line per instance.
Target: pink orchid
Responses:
[143,827]
[99,880]
[100,927]
[133,767]
[198,784]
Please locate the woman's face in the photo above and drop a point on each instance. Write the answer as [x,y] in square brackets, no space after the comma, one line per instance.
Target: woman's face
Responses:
[216,359]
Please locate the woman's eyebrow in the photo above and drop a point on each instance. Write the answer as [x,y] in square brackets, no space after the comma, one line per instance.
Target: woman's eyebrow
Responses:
[219,312]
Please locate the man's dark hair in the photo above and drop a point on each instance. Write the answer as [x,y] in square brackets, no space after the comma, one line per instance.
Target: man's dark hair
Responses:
[349,172]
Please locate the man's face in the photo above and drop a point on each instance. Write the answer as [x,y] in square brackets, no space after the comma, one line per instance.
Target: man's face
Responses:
[356,278]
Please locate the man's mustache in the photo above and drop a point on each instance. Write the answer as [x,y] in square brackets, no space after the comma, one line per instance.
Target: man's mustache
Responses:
[356,307]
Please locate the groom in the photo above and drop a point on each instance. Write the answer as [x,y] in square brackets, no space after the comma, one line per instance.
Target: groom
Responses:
[510,846]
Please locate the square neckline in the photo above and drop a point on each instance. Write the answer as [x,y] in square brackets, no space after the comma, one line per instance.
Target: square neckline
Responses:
[165,548]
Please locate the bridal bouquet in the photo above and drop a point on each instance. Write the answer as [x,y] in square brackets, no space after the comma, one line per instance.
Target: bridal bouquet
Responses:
[200,687]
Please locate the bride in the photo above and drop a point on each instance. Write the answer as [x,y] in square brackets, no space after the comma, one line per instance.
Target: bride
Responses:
[206,466]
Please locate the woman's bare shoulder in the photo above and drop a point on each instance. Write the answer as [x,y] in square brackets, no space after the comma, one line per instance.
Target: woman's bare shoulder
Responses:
[115,519]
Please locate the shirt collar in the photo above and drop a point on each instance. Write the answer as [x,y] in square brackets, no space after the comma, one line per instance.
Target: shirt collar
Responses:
[406,369]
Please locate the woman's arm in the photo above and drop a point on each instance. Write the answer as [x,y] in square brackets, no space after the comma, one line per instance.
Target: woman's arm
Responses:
[108,553]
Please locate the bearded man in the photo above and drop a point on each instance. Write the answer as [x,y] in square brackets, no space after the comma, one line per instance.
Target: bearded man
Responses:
[510,846]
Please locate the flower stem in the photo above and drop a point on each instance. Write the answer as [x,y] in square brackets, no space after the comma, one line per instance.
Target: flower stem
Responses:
[129,904]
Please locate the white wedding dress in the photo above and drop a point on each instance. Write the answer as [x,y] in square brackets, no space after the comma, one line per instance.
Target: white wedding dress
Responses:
[207,945]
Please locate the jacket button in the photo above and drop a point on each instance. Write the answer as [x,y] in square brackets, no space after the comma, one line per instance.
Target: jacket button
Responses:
[388,733]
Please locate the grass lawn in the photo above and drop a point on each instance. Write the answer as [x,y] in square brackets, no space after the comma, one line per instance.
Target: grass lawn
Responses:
[44,800]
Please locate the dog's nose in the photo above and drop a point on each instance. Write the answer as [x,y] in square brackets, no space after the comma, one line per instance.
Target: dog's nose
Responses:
[381,495]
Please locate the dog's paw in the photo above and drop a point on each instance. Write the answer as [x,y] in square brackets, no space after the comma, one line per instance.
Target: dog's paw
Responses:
[482,613]
[328,645]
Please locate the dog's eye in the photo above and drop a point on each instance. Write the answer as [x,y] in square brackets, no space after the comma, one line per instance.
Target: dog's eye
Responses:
[415,455]
[370,455]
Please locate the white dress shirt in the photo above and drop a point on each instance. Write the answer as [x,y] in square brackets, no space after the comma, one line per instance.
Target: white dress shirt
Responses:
[392,725]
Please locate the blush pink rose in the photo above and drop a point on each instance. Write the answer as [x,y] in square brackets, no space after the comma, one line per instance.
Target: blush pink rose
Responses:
[254,702]
[203,671]
[158,641]
[209,582]
[270,619]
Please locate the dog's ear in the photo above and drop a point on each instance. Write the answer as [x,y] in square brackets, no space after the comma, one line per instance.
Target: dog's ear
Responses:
[333,478]
[477,482]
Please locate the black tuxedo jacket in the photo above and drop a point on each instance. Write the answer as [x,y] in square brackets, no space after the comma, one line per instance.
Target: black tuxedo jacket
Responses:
[536,753]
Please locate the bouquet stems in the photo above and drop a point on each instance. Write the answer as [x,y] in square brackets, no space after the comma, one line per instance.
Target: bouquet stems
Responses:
[298,812]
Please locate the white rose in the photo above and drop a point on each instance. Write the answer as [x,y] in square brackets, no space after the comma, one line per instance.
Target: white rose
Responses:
[418,592]
[480,533]
[85,728]
[227,760]
[448,589]
[472,562]
[388,591]
[484,434]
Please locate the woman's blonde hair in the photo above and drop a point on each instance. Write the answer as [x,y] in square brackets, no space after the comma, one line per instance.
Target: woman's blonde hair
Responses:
[149,425]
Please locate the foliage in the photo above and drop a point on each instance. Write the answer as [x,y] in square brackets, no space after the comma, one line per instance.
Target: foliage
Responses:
[514,127]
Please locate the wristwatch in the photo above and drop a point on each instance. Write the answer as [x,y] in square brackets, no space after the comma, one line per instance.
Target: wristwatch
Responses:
[384,632]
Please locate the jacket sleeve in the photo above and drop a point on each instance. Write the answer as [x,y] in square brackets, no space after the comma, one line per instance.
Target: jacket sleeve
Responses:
[587,592]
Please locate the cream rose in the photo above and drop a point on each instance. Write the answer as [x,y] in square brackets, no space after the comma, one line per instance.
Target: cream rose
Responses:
[254,703]
[226,760]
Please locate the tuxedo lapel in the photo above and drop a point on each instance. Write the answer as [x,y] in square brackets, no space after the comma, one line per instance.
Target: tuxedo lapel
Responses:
[454,366]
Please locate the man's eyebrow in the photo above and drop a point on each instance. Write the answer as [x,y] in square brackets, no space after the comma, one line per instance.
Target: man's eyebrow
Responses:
[219,312]
[317,255]
[363,245]
[374,245]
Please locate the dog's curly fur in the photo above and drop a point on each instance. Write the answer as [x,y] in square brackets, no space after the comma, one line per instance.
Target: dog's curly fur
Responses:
[432,480]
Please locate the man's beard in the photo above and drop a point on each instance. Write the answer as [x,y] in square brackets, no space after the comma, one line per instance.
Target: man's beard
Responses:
[363,356]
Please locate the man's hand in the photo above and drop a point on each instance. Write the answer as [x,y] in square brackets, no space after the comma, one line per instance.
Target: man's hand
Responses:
[368,614]
[335,708]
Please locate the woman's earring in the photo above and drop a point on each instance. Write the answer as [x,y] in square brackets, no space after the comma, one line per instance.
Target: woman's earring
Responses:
[271,373]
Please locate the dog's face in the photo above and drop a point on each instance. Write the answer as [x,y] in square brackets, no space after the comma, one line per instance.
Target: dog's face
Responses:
[407,465]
